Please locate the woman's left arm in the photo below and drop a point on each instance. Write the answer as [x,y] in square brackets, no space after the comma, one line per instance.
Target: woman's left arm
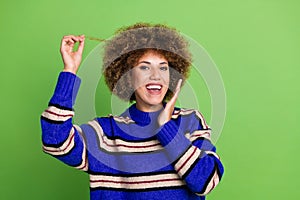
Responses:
[189,144]
[192,153]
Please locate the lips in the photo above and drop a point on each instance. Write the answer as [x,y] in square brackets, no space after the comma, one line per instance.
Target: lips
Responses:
[154,89]
[153,86]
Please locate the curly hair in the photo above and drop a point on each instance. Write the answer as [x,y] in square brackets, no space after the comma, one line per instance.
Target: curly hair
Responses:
[122,52]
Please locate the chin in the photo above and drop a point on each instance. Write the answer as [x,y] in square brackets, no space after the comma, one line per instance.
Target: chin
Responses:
[154,102]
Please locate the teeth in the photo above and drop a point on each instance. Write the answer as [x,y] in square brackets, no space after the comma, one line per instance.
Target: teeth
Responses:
[153,87]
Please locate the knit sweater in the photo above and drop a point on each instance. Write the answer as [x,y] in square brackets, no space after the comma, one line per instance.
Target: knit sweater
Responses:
[130,156]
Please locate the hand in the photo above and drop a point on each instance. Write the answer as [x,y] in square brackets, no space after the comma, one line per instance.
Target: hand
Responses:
[71,58]
[166,114]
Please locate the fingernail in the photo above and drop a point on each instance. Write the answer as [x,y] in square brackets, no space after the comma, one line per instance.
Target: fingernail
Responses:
[179,81]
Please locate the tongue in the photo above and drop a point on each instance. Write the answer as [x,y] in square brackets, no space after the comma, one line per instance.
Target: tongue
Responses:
[153,91]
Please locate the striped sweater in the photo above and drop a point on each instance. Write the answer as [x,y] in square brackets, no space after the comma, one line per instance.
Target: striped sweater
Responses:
[130,156]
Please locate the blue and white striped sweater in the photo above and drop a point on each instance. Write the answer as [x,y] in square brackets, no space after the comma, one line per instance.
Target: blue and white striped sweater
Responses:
[130,156]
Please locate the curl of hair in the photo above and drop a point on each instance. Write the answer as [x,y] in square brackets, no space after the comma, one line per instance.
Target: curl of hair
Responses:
[122,52]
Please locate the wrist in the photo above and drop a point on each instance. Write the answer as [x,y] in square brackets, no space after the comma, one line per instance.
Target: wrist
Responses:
[69,70]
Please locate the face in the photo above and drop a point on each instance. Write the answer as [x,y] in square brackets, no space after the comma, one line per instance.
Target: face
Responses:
[151,80]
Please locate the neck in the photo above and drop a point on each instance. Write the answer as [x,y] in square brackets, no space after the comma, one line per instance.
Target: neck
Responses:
[148,108]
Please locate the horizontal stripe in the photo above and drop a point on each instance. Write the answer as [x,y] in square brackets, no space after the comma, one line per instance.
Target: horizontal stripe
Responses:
[136,182]
[56,114]
[213,153]
[198,134]
[66,147]
[119,145]
[180,187]
[186,161]
[60,111]
[125,120]
[151,173]
[175,114]
[185,112]
[59,115]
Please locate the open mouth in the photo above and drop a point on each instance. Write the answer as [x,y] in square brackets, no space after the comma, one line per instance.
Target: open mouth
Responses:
[154,87]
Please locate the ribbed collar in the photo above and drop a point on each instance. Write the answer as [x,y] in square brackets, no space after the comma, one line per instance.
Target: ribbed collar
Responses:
[141,117]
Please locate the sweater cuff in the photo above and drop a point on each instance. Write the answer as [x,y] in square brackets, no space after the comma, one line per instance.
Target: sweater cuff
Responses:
[66,90]
[172,138]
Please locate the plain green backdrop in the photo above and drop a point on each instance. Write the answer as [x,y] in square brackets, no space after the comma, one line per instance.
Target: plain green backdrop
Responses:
[255,45]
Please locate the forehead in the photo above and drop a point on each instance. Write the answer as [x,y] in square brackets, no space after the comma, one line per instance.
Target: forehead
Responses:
[152,55]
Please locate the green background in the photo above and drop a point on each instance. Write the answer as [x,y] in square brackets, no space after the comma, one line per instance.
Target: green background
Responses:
[255,45]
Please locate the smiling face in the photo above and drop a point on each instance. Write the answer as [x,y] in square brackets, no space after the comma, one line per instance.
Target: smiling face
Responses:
[150,79]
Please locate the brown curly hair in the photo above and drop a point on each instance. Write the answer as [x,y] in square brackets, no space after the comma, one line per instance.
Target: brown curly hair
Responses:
[122,52]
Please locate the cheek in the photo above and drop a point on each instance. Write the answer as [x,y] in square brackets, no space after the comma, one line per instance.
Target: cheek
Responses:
[166,78]
[137,80]
[134,78]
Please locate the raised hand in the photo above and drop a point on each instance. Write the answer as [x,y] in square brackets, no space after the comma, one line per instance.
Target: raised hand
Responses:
[166,114]
[71,58]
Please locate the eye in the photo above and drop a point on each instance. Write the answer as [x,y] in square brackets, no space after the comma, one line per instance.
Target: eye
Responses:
[164,68]
[144,67]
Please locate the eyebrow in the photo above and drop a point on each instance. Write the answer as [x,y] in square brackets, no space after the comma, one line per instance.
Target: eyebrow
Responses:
[146,62]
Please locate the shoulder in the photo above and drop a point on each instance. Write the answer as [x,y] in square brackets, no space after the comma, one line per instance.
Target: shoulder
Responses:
[187,112]
[190,116]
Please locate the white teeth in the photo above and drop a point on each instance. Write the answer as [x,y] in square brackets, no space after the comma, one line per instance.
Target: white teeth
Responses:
[153,87]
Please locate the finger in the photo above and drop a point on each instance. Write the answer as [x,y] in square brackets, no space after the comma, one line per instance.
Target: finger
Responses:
[67,43]
[81,38]
[69,40]
[72,37]
[177,90]
[81,45]
[167,112]
[175,96]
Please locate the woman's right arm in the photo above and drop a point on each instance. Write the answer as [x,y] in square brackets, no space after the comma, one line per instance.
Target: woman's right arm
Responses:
[60,137]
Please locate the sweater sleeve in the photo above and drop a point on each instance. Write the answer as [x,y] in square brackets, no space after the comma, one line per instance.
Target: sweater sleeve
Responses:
[60,138]
[189,144]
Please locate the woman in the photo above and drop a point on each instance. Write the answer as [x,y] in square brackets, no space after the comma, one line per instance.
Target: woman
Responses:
[152,150]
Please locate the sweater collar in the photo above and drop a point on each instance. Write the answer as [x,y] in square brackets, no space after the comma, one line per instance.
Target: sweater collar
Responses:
[141,117]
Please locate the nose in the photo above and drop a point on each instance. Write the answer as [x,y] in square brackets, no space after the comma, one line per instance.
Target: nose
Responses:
[155,75]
